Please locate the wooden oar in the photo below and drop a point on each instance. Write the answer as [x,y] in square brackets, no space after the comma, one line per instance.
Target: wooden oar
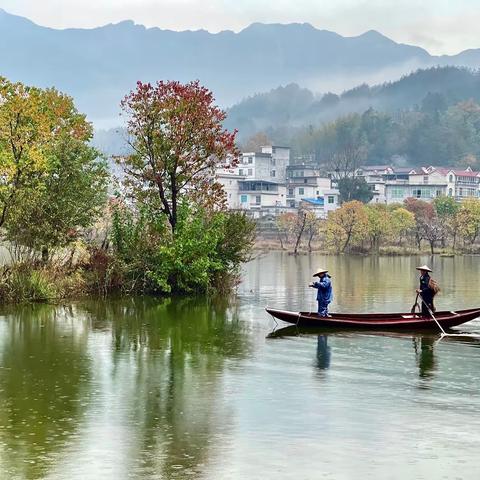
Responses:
[415,305]
[432,315]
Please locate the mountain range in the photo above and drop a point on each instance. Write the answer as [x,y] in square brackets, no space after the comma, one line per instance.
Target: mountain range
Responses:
[99,66]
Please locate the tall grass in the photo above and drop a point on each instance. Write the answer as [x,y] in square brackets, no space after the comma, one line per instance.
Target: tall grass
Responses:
[20,283]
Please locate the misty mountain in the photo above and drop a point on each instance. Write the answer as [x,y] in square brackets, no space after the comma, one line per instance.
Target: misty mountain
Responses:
[284,111]
[99,66]
[294,106]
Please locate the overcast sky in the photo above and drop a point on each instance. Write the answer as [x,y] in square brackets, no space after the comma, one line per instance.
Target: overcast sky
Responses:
[440,26]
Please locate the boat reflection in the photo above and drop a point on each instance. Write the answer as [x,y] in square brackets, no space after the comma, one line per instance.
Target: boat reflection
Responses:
[424,344]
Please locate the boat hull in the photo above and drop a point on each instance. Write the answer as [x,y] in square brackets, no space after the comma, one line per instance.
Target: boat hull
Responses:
[377,321]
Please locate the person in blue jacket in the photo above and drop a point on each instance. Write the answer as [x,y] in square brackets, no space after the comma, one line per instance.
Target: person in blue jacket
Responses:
[324,293]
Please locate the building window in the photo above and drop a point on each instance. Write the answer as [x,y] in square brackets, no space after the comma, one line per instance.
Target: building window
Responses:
[244,198]
[273,161]
[331,199]
[301,191]
[450,192]
[258,199]
[318,192]
[250,159]
[460,192]
[250,172]
[422,193]
[291,191]
[305,180]
[398,193]
[438,193]
[425,179]
[240,172]
[273,173]
[450,178]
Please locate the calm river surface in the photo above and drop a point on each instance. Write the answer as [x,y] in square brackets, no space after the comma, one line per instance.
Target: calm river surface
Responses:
[180,389]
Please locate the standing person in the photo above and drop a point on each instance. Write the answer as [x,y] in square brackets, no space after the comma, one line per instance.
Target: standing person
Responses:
[425,291]
[324,294]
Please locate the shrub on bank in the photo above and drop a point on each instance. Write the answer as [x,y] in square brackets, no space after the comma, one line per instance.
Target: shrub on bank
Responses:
[204,254]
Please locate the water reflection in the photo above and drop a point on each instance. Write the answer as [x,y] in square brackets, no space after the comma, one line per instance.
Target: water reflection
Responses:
[44,387]
[162,386]
[425,355]
[323,352]
[184,388]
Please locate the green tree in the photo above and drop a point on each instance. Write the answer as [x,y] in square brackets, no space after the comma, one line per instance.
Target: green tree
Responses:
[447,212]
[69,199]
[32,123]
[354,188]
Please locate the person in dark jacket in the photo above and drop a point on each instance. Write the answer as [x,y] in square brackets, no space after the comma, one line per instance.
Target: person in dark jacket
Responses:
[425,291]
[324,294]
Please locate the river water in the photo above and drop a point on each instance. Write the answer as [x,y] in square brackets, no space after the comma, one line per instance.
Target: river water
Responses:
[186,388]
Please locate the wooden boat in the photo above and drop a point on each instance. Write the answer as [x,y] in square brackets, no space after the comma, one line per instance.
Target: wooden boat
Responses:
[377,321]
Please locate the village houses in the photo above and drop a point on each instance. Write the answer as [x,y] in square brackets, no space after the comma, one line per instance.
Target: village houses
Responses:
[264,183]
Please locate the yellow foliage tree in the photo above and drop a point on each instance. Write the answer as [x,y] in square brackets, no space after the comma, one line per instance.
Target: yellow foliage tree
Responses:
[33,122]
[469,220]
[347,226]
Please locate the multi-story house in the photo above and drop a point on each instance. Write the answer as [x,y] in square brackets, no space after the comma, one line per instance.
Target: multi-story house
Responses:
[305,181]
[461,184]
[424,183]
[269,164]
[264,183]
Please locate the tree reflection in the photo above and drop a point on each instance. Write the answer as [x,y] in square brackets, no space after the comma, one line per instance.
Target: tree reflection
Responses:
[44,376]
[174,352]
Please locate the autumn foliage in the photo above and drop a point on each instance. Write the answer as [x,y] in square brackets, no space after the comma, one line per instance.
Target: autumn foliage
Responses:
[178,140]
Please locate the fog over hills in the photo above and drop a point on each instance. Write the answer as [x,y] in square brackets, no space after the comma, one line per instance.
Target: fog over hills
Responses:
[98,66]
[294,106]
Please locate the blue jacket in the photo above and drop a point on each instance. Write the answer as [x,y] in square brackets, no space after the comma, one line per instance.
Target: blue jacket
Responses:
[325,293]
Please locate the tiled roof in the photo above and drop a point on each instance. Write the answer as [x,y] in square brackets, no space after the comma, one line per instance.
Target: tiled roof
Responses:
[457,172]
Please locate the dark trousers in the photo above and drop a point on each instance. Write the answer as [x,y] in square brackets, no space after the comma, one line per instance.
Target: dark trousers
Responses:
[425,309]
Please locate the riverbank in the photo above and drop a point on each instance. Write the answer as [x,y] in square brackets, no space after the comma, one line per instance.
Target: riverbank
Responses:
[271,244]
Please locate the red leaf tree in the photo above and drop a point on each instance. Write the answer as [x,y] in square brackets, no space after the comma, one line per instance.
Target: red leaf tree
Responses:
[178,140]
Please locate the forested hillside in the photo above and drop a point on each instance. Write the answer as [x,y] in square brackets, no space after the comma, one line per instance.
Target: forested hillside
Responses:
[293,106]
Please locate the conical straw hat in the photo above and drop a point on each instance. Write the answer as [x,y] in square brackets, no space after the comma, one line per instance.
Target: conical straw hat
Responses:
[424,267]
[319,271]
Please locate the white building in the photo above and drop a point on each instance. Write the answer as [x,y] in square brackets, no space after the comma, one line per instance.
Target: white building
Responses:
[229,178]
[306,182]
[262,196]
[270,164]
[394,184]
[264,183]
[322,204]
[461,184]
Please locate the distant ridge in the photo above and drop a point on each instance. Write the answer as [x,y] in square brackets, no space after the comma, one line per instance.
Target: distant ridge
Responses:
[98,66]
